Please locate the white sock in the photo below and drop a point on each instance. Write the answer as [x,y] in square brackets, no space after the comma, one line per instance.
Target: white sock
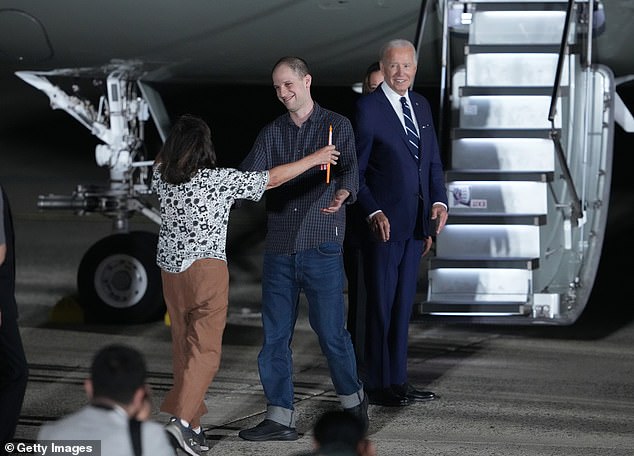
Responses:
[184,423]
[197,429]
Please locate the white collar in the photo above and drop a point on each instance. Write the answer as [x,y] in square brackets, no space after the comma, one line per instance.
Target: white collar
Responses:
[393,96]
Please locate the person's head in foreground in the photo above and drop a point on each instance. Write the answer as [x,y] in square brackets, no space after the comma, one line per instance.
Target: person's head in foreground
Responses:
[118,379]
[338,432]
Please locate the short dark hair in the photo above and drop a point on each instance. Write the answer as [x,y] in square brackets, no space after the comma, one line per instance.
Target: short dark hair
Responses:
[188,148]
[297,64]
[117,372]
[340,429]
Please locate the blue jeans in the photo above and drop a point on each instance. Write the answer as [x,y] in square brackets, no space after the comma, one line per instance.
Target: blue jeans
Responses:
[319,273]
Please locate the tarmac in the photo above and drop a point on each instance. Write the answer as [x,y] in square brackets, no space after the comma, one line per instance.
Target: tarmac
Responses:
[508,391]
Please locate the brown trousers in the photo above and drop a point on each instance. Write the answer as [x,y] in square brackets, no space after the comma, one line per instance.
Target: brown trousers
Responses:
[197,301]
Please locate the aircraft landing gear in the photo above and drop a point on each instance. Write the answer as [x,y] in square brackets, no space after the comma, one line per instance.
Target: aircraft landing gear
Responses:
[119,282]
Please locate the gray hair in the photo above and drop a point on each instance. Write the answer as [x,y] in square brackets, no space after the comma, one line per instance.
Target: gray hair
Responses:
[397,43]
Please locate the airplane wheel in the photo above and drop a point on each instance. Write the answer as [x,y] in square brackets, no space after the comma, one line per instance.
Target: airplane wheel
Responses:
[119,282]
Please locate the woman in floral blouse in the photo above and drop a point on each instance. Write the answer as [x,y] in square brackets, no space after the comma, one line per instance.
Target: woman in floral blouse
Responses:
[195,199]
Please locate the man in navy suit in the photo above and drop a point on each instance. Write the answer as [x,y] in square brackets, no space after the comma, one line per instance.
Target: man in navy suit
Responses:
[402,203]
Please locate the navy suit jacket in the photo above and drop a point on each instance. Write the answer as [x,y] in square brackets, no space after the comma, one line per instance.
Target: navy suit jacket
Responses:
[390,177]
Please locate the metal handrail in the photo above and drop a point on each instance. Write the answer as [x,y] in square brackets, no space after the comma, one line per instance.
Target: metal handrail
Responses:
[426,6]
[590,28]
[576,206]
[560,62]
[444,68]
[424,12]
[562,50]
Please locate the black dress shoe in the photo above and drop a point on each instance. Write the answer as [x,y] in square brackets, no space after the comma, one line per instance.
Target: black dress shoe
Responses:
[269,430]
[387,398]
[413,394]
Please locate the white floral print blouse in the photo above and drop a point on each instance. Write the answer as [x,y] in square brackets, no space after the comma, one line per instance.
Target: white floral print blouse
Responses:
[195,215]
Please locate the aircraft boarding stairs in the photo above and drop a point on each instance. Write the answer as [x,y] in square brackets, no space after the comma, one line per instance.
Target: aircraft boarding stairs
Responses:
[528,182]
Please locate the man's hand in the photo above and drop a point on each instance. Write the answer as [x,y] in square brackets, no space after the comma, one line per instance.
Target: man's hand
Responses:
[142,404]
[337,201]
[439,214]
[380,227]
[428,242]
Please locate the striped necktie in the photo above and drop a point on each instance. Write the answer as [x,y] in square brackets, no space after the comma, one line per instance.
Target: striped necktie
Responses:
[412,132]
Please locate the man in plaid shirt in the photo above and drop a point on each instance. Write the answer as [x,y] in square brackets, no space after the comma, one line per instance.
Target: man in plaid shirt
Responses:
[303,250]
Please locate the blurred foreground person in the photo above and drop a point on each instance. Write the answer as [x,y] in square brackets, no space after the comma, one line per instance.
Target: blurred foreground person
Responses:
[13,366]
[119,408]
[338,433]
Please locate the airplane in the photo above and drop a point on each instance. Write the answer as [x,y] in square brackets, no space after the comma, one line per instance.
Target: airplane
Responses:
[497,261]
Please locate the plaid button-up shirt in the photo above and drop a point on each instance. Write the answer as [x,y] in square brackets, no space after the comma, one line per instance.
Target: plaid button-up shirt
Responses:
[294,220]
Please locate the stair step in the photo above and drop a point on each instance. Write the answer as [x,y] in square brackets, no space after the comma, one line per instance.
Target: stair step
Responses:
[514,70]
[509,284]
[513,26]
[503,154]
[480,283]
[474,308]
[529,264]
[541,305]
[523,49]
[488,241]
[475,91]
[460,12]
[516,111]
[457,133]
[492,197]
[494,175]
[512,5]
[496,219]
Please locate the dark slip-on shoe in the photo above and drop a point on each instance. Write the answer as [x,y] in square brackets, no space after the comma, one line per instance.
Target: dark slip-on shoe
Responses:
[387,398]
[269,430]
[413,394]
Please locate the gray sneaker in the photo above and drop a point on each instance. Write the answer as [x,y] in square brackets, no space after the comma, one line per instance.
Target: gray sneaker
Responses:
[183,436]
[201,441]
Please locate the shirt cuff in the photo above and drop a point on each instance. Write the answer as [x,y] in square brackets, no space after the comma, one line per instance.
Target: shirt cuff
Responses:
[369,217]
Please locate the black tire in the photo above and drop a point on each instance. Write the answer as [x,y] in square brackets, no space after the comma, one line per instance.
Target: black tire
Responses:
[119,282]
